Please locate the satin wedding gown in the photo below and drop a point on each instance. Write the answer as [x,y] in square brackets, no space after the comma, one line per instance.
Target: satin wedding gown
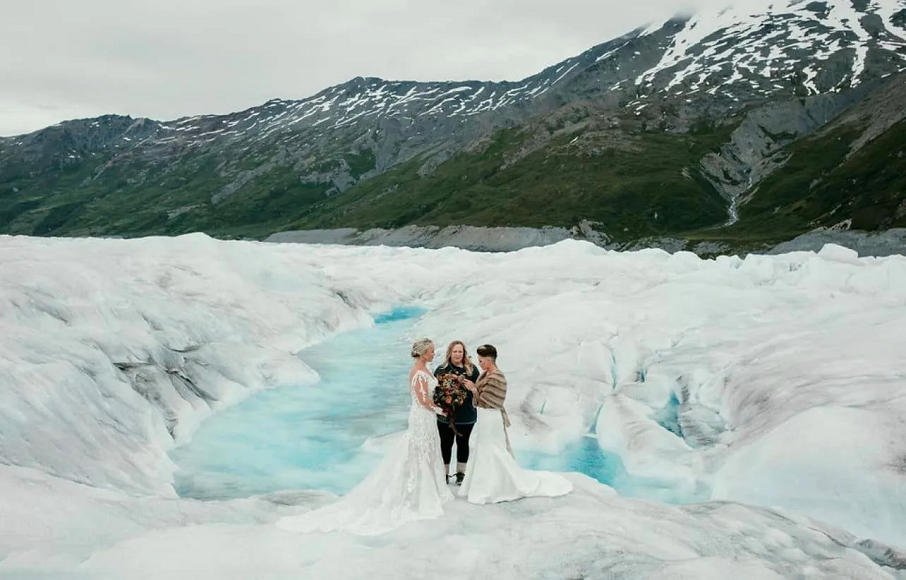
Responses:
[494,476]
[408,485]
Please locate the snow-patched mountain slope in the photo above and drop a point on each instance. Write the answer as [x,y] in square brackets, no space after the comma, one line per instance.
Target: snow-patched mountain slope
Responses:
[742,51]
[278,165]
[832,44]
[745,51]
[750,49]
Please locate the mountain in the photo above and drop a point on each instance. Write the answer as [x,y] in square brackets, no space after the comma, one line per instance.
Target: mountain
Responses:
[744,125]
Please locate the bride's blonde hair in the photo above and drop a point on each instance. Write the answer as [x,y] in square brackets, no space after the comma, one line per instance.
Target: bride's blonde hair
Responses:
[466,361]
[420,347]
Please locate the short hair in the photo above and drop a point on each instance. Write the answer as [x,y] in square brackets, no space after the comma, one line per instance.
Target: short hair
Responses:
[420,347]
[487,350]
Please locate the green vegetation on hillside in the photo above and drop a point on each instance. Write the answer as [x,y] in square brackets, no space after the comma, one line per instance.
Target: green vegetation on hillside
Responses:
[632,183]
[820,186]
[645,184]
[654,187]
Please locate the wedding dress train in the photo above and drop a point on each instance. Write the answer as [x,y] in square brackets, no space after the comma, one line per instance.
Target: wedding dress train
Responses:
[493,474]
[408,485]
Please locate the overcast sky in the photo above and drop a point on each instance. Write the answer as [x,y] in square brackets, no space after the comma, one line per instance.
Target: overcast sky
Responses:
[165,59]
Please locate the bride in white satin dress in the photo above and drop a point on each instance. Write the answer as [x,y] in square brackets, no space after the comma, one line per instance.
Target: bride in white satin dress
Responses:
[409,483]
[493,475]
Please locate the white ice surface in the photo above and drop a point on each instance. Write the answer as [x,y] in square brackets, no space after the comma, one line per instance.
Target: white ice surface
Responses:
[788,371]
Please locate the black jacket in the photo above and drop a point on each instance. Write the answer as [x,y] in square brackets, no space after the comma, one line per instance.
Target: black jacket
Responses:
[464,414]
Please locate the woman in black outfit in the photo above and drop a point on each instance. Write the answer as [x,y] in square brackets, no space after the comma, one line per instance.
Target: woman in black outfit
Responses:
[457,362]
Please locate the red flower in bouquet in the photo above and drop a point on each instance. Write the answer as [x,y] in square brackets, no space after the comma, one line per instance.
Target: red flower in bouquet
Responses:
[449,394]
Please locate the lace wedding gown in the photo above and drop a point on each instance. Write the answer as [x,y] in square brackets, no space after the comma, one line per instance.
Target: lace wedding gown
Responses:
[408,484]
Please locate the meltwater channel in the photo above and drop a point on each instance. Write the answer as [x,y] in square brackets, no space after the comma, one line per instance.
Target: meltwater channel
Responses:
[327,436]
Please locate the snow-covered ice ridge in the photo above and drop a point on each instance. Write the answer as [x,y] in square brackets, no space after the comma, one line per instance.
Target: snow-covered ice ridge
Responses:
[788,370]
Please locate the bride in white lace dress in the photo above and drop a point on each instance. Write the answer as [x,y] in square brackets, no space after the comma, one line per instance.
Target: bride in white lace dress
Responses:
[408,484]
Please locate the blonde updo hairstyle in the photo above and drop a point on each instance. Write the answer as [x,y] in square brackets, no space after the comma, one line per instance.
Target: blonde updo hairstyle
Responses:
[420,347]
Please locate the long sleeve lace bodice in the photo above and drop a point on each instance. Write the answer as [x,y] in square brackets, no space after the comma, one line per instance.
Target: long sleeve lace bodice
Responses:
[422,389]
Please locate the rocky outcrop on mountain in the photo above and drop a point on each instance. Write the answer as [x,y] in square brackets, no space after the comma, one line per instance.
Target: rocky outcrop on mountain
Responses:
[479,239]
[501,239]
[886,243]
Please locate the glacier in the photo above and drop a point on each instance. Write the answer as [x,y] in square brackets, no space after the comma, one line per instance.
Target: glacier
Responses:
[772,387]
[322,438]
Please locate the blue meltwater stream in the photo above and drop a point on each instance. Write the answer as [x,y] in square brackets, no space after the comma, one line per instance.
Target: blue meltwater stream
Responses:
[311,437]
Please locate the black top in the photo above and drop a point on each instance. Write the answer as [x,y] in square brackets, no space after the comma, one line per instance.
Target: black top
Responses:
[464,414]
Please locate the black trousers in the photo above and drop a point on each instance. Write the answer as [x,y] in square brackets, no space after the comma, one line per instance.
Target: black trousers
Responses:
[462,442]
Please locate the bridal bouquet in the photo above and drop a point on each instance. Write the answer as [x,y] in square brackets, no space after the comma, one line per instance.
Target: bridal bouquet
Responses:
[449,394]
